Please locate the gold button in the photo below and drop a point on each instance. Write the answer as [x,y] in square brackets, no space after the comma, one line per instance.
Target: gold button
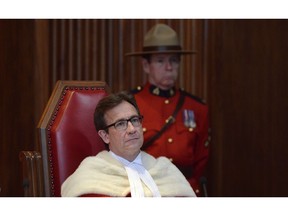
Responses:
[138,88]
[170,140]
[167,101]
[191,129]
[144,129]
[197,191]
[171,159]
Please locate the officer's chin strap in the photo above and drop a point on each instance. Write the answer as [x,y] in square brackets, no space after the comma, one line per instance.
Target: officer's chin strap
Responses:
[168,122]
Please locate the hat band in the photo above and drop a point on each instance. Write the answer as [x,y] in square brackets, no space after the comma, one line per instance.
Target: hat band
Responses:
[161,48]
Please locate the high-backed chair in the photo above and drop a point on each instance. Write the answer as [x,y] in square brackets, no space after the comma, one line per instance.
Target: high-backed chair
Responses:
[66,136]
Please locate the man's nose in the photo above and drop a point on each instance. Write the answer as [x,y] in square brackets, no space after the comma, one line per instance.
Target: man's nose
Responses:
[130,126]
[168,64]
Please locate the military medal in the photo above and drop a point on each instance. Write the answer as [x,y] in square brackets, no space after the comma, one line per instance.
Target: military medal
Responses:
[189,118]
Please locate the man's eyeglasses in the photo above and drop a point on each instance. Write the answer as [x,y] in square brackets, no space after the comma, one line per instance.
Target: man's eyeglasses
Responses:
[136,121]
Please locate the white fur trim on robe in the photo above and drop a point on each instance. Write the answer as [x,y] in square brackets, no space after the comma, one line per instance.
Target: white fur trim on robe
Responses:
[103,174]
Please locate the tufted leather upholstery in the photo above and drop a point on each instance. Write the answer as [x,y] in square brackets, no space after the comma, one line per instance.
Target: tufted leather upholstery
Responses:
[67,132]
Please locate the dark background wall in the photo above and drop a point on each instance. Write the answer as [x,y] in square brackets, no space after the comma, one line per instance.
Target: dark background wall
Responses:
[240,69]
[249,108]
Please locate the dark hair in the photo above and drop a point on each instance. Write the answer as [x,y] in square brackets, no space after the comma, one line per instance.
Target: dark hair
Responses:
[147,57]
[110,101]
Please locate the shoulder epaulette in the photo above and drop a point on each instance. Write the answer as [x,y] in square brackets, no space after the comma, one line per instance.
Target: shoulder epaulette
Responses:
[187,94]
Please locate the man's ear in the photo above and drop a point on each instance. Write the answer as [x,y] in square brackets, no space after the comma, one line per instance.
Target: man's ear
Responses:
[104,135]
[145,65]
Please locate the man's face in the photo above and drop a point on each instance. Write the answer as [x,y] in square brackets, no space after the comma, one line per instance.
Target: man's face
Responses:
[162,70]
[125,143]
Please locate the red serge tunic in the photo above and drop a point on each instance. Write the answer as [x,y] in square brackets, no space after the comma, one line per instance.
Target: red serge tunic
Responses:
[185,142]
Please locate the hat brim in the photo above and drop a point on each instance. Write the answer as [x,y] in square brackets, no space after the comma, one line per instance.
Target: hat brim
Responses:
[182,52]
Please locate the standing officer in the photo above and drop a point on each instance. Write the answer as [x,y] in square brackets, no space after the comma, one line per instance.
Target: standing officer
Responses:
[175,122]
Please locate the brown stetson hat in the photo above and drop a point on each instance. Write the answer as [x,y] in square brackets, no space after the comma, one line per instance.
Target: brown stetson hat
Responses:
[161,39]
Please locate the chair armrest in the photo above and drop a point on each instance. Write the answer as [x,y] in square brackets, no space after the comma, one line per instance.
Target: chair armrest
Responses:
[32,177]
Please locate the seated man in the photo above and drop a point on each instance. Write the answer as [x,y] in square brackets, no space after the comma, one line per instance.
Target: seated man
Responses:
[124,170]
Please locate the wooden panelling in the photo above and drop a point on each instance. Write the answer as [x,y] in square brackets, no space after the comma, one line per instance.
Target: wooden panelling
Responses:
[17,58]
[248,102]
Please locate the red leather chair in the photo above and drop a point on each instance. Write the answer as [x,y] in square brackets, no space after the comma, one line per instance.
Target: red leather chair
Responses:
[66,136]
